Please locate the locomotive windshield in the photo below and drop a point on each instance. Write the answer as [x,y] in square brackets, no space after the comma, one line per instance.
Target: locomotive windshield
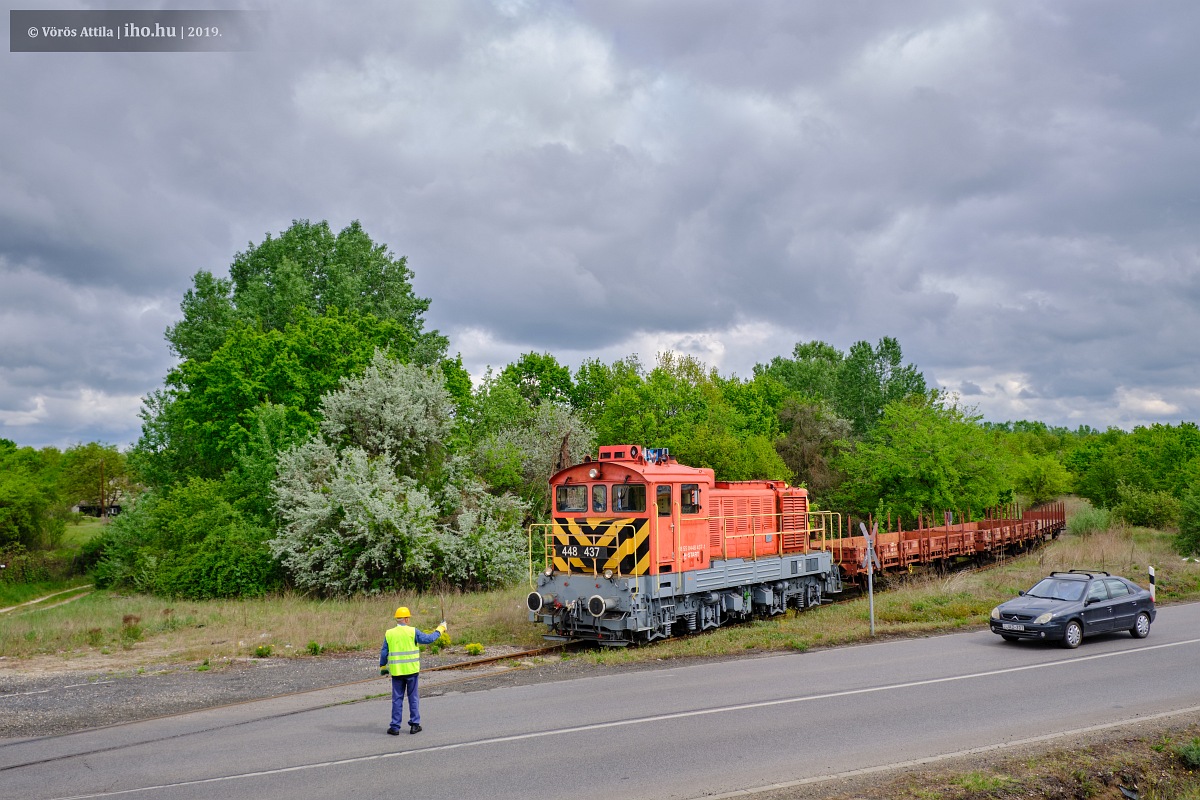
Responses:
[629,497]
[571,498]
[599,498]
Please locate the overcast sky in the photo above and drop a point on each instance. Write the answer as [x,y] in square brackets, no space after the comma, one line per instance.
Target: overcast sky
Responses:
[1012,190]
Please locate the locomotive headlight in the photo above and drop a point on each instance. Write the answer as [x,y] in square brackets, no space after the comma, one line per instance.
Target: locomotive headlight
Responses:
[597,605]
[1044,618]
[608,573]
[549,571]
[593,473]
[996,612]
[536,601]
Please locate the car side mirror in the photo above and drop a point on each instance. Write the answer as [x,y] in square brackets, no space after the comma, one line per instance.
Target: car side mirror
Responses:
[1021,593]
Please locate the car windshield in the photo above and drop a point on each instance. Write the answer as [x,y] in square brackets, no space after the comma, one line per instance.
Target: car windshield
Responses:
[1057,589]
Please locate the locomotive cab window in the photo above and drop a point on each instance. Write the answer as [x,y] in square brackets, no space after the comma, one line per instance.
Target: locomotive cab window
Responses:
[599,497]
[689,498]
[571,498]
[629,497]
[664,501]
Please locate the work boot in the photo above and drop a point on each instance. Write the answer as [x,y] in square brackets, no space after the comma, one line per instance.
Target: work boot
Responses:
[393,731]
[414,728]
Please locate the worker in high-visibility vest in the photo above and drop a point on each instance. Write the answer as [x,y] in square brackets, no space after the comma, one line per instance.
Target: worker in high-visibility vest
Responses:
[401,658]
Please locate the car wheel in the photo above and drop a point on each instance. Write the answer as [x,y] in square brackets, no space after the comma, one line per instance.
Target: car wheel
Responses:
[1073,635]
[1141,626]
[1008,637]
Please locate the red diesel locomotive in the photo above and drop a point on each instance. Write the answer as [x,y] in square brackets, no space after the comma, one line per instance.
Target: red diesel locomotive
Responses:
[641,546]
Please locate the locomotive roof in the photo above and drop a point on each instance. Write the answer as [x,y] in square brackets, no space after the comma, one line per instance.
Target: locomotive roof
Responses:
[652,463]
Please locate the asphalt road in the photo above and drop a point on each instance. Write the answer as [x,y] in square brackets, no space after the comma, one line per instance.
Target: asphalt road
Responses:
[687,732]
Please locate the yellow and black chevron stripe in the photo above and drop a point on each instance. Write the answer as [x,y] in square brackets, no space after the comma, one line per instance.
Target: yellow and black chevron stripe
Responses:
[626,542]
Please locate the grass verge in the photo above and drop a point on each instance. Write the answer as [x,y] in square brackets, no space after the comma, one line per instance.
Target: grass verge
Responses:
[1147,764]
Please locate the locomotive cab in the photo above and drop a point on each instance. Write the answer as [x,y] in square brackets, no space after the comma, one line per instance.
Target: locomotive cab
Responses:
[630,512]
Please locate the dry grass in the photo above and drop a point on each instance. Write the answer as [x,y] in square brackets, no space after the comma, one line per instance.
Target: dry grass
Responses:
[160,629]
[143,630]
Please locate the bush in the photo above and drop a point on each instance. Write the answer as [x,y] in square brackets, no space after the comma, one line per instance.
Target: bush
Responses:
[185,542]
[21,566]
[1188,540]
[1089,520]
[231,562]
[377,504]
[1189,753]
[1149,509]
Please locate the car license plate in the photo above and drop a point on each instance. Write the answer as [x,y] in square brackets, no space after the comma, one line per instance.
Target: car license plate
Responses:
[1012,626]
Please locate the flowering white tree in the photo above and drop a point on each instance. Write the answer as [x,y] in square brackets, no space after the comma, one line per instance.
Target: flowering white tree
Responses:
[376,502]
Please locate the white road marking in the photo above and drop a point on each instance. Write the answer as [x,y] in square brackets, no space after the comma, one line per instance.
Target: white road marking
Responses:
[43,691]
[699,713]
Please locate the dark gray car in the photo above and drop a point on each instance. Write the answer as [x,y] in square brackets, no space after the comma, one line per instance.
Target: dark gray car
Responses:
[1067,606]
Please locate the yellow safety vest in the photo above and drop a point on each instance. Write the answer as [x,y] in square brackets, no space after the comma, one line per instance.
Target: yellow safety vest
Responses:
[404,657]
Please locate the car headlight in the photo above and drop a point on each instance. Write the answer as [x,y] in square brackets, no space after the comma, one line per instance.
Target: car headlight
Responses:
[996,612]
[1044,618]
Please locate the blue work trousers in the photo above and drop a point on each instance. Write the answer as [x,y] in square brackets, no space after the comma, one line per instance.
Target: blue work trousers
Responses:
[405,685]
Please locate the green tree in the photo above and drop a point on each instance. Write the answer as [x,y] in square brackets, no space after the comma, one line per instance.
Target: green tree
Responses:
[813,439]
[1157,458]
[1040,478]
[93,474]
[869,378]
[207,415]
[540,378]
[595,383]
[298,312]
[32,514]
[686,407]
[515,445]
[305,270]
[811,372]
[925,455]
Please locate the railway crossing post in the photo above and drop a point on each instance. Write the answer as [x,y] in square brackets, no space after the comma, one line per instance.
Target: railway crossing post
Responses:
[871,562]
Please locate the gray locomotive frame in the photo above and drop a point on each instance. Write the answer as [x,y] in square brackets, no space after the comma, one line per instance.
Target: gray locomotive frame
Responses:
[623,609]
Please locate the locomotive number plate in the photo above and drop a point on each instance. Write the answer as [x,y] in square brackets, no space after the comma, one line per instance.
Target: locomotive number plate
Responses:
[1012,626]
[588,551]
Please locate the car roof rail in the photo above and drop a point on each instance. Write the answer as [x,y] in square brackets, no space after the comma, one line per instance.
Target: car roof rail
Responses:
[1091,573]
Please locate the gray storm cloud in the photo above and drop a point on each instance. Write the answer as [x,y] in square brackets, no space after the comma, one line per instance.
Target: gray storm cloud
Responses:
[1004,188]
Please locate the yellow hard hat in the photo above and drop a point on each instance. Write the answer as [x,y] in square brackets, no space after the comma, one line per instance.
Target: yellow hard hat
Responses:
[402,612]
